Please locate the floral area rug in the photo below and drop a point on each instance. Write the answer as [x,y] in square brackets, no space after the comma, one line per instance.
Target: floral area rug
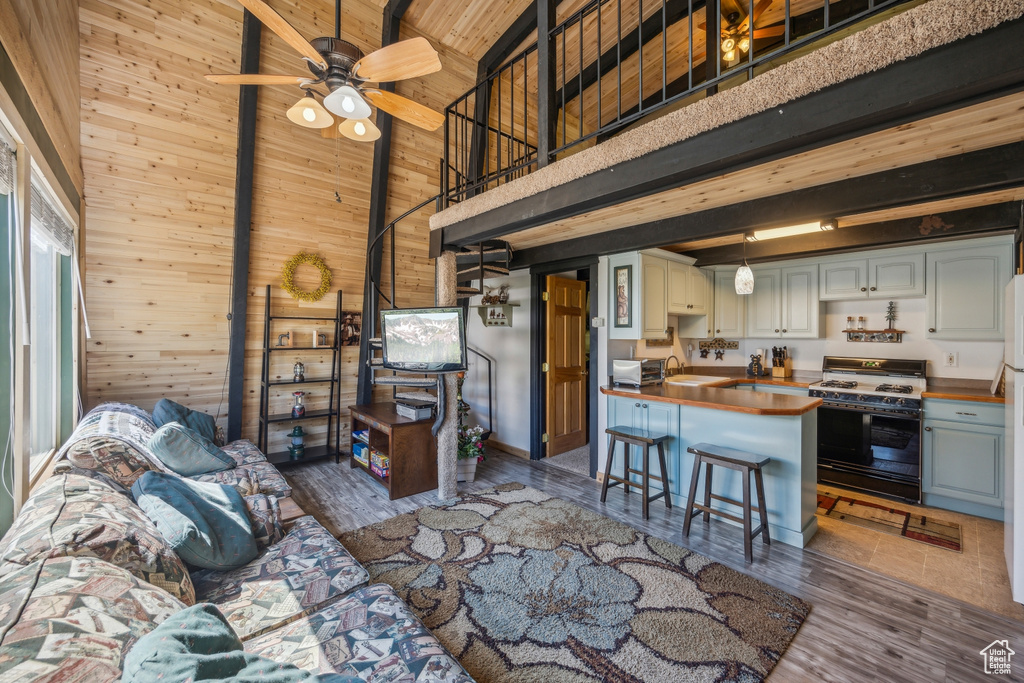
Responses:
[522,586]
[890,520]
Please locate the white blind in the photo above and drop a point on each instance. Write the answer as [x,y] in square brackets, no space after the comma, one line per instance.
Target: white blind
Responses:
[7,168]
[51,222]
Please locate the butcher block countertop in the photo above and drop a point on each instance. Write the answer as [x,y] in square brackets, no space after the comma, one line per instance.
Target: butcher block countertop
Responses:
[719,398]
[959,393]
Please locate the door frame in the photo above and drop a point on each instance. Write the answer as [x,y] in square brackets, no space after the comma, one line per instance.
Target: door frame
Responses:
[586,269]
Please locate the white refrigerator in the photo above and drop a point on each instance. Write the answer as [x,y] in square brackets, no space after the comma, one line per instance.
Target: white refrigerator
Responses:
[1013,461]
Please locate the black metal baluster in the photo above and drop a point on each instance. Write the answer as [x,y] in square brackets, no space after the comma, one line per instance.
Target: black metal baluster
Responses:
[664,51]
[600,52]
[689,45]
[497,156]
[564,37]
[640,55]
[579,67]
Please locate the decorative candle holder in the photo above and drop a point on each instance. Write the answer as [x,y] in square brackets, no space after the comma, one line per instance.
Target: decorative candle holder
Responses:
[299,372]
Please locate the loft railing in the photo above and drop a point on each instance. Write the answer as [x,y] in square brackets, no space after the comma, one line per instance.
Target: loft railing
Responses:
[615,62]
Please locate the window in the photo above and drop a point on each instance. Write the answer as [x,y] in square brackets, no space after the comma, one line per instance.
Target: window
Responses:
[44,352]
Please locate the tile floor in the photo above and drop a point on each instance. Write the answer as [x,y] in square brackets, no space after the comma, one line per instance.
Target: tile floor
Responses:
[977,575]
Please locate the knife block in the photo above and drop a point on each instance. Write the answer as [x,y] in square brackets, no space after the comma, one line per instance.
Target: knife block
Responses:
[785,371]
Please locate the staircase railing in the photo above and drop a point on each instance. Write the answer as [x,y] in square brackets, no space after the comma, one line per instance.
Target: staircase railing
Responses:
[490,405]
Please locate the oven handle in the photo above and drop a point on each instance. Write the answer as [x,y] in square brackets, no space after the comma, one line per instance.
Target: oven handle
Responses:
[911,415]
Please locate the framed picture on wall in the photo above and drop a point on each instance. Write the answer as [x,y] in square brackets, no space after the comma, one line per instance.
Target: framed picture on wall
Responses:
[623,279]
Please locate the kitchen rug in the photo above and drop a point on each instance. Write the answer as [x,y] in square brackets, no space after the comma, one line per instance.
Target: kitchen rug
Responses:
[521,586]
[890,520]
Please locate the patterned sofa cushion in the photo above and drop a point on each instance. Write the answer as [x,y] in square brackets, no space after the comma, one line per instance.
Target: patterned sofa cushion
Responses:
[78,620]
[244,452]
[265,518]
[306,569]
[370,633]
[109,455]
[250,479]
[74,515]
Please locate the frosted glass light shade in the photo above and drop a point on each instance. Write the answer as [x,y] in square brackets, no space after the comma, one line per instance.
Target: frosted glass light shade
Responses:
[310,113]
[744,280]
[361,130]
[347,103]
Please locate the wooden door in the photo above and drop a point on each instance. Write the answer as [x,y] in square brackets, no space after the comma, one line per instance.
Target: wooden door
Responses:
[567,368]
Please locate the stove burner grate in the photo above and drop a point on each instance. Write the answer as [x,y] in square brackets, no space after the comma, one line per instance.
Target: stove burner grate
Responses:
[838,384]
[895,388]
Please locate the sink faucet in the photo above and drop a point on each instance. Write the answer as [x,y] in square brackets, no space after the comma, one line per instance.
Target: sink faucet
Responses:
[679,366]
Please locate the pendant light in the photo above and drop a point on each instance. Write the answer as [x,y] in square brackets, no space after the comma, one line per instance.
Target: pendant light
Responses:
[744,276]
[347,103]
[310,113]
[361,130]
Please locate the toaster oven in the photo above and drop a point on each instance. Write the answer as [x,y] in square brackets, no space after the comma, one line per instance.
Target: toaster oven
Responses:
[639,372]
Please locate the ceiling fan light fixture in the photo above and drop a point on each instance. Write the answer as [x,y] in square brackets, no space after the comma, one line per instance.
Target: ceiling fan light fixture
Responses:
[347,103]
[729,56]
[728,45]
[360,130]
[309,113]
[744,44]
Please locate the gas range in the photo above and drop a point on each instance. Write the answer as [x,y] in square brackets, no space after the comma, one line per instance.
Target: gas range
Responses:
[873,385]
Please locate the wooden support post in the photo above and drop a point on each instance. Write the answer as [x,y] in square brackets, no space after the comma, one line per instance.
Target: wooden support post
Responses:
[448,436]
[546,105]
[247,100]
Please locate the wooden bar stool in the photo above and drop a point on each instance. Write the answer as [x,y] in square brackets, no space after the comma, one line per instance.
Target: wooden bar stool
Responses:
[644,439]
[743,462]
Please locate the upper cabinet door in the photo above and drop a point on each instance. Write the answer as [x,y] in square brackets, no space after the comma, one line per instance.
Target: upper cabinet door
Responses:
[678,287]
[965,292]
[844,280]
[801,310]
[730,307]
[764,309]
[698,286]
[653,297]
[896,276]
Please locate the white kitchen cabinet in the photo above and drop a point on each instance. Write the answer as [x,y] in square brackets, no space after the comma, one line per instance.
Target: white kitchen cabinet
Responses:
[730,308]
[784,303]
[646,278]
[897,276]
[965,292]
[687,289]
[653,297]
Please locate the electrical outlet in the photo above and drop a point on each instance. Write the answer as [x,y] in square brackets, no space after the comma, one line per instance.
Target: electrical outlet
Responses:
[952,359]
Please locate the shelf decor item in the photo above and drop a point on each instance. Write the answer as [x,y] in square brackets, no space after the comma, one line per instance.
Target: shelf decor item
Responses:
[288,277]
[299,372]
[297,450]
[299,409]
[890,315]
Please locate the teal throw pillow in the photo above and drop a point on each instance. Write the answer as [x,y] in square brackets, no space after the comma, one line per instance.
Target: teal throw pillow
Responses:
[187,452]
[197,644]
[167,410]
[205,523]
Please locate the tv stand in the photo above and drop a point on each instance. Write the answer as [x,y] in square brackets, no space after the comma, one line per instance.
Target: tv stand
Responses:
[409,445]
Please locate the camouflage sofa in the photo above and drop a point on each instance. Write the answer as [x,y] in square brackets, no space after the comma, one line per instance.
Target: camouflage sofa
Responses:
[84,574]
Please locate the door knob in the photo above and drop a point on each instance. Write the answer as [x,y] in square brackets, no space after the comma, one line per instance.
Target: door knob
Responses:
[863,289]
[931,329]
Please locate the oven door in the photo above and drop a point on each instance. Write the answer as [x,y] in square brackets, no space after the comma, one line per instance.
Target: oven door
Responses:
[872,450]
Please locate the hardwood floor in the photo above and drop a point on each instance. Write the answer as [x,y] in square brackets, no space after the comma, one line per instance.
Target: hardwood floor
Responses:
[863,626]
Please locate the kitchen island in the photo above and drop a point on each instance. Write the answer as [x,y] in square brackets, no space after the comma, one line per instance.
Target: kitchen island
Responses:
[780,426]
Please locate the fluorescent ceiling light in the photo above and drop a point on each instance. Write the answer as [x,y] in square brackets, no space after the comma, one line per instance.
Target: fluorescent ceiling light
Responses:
[347,103]
[789,231]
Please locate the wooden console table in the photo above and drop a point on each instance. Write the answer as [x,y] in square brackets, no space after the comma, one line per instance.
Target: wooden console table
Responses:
[409,445]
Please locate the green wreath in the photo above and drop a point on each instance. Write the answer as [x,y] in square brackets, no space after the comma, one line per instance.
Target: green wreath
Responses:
[288,277]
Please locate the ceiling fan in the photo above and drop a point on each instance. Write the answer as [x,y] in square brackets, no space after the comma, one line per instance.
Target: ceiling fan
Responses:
[345,71]
[736,34]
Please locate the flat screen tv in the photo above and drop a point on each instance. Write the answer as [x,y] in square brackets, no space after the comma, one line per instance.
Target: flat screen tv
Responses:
[424,339]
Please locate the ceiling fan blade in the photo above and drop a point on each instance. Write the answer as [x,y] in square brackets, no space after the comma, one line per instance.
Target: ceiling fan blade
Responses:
[276,23]
[769,32]
[255,79]
[759,9]
[406,59]
[406,109]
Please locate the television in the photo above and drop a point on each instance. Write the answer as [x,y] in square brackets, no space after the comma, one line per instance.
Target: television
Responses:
[424,339]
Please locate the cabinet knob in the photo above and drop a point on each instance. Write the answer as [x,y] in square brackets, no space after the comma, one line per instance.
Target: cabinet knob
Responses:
[927,429]
[874,288]
[636,405]
[644,405]
[931,329]
[863,289]
[785,330]
[718,331]
[776,330]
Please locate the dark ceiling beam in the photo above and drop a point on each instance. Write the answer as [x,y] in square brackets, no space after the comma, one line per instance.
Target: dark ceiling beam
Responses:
[986,170]
[511,39]
[396,8]
[651,28]
[971,70]
[924,228]
[244,169]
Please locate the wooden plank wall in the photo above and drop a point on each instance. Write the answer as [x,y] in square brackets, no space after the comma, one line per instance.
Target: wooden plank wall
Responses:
[159,147]
[41,38]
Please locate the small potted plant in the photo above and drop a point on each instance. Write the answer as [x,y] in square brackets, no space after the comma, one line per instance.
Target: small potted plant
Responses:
[471,442]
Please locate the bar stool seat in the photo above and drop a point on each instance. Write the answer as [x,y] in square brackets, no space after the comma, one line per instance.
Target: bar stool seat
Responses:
[744,462]
[643,439]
